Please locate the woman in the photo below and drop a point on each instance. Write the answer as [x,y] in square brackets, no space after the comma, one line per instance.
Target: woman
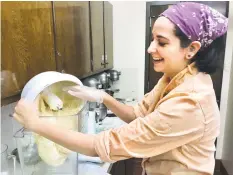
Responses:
[176,124]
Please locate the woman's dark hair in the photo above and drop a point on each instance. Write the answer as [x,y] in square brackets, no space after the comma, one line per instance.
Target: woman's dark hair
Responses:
[208,59]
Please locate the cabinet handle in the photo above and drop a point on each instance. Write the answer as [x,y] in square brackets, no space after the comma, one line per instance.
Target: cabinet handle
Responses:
[102,60]
[106,58]
[104,63]
[58,53]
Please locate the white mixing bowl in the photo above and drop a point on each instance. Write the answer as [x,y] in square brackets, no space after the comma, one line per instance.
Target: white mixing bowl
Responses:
[41,81]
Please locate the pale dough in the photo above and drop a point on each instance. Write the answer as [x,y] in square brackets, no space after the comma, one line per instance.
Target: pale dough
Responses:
[50,152]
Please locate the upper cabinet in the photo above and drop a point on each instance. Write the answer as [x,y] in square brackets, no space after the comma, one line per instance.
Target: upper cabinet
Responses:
[102,35]
[97,33]
[108,34]
[27,46]
[73,37]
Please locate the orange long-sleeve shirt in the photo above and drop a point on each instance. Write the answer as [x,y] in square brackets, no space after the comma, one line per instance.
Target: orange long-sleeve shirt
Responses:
[174,131]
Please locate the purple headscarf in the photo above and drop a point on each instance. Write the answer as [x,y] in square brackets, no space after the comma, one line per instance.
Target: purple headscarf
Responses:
[197,21]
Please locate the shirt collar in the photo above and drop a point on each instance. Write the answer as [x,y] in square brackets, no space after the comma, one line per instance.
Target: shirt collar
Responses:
[189,71]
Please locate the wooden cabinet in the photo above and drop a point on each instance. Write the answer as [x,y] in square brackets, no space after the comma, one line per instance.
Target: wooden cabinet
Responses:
[27,46]
[108,34]
[73,37]
[97,32]
[133,166]
[118,168]
[83,37]
[102,35]
[127,167]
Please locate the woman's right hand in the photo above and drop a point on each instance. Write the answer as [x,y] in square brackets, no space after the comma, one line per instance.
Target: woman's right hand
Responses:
[121,110]
[26,113]
[86,93]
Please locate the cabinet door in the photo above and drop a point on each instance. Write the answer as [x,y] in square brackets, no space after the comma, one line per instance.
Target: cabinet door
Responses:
[108,34]
[72,37]
[26,43]
[133,166]
[97,31]
[118,168]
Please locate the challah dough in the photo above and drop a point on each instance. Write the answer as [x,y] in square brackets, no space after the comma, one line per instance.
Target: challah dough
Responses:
[50,152]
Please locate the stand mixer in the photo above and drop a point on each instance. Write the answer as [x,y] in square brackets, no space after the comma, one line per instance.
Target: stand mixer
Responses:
[102,81]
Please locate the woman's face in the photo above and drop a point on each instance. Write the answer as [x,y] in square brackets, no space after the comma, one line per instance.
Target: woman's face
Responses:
[168,56]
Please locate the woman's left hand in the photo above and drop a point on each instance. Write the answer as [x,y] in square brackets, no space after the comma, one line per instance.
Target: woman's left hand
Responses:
[26,113]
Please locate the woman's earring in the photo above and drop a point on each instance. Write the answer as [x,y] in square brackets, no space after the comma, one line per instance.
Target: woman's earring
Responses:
[190,56]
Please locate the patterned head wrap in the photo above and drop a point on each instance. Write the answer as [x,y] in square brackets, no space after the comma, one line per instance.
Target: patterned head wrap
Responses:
[197,21]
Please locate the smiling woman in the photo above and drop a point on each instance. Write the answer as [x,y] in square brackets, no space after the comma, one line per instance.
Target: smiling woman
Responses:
[176,124]
[165,46]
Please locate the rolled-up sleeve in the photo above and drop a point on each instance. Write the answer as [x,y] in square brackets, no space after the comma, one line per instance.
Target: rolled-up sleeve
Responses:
[141,109]
[176,121]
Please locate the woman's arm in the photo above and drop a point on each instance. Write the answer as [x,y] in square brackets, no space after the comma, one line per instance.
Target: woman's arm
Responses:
[75,141]
[124,112]
[26,113]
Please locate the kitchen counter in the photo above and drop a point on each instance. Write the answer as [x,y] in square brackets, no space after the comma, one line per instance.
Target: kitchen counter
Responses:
[71,167]
[89,168]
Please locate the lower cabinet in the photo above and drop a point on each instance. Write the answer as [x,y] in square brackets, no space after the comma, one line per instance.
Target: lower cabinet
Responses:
[127,167]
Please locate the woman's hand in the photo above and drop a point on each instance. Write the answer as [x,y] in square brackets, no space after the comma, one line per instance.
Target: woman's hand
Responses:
[26,113]
[86,93]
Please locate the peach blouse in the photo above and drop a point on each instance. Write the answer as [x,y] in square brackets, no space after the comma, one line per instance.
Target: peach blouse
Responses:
[174,130]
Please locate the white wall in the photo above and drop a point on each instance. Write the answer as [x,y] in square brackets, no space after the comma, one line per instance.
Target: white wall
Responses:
[129,19]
